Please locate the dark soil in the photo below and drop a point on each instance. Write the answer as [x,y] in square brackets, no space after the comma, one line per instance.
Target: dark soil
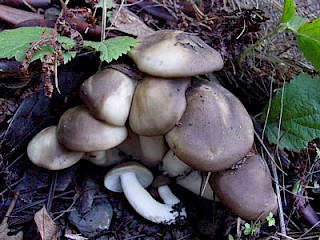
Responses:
[25,110]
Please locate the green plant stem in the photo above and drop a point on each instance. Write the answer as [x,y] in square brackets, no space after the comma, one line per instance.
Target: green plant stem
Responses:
[275,31]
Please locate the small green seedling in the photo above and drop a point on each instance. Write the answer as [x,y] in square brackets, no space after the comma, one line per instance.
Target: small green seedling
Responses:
[253,228]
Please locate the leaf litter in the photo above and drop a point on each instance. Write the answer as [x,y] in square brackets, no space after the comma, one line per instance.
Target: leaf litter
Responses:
[252,85]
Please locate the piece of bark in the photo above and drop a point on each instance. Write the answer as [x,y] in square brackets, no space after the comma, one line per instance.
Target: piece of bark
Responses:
[13,16]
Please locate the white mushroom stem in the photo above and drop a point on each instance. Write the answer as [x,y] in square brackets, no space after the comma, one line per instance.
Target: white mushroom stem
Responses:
[146,205]
[167,196]
[194,183]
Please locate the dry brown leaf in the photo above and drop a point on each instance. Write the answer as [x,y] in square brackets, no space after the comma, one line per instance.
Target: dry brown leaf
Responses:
[46,226]
[4,233]
[126,21]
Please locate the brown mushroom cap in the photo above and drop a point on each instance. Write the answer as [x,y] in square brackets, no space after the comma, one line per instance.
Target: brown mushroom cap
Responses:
[108,95]
[246,190]
[172,53]
[215,130]
[78,130]
[157,105]
[45,151]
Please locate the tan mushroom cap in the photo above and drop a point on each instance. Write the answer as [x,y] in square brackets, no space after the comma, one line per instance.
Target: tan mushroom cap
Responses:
[246,190]
[45,151]
[157,105]
[172,53]
[78,130]
[215,130]
[108,95]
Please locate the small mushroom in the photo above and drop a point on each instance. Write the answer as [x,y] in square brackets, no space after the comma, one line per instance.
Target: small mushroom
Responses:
[194,182]
[78,130]
[45,151]
[246,189]
[104,158]
[185,176]
[108,95]
[172,166]
[132,178]
[215,130]
[172,53]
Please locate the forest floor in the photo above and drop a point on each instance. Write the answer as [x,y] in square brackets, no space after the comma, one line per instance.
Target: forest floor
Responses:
[74,204]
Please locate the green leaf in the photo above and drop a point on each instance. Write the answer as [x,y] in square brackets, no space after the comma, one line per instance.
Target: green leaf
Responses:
[68,56]
[318,152]
[297,187]
[247,229]
[230,237]
[16,42]
[300,122]
[113,48]
[270,219]
[295,23]
[288,11]
[110,4]
[308,38]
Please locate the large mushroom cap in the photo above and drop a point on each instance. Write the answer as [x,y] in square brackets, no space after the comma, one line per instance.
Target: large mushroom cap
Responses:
[215,130]
[168,53]
[78,130]
[157,105]
[45,151]
[247,189]
[108,95]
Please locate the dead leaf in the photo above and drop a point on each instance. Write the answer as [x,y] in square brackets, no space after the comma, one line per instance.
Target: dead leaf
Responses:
[46,226]
[4,230]
[4,233]
[126,21]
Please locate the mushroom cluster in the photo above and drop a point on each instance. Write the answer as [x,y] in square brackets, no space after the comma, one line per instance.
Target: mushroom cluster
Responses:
[166,120]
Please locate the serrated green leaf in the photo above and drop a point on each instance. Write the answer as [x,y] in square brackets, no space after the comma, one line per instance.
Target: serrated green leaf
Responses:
[300,122]
[288,11]
[16,42]
[308,39]
[111,49]
[68,56]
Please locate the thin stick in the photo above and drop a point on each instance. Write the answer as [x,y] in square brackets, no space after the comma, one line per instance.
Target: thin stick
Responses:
[280,209]
[205,184]
[10,209]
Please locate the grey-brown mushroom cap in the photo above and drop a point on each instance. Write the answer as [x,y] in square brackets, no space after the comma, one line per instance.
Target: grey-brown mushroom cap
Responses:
[215,130]
[247,189]
[45,151]
[108,95]
[172,53]
[112,178]
[157,105]
[78,130]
